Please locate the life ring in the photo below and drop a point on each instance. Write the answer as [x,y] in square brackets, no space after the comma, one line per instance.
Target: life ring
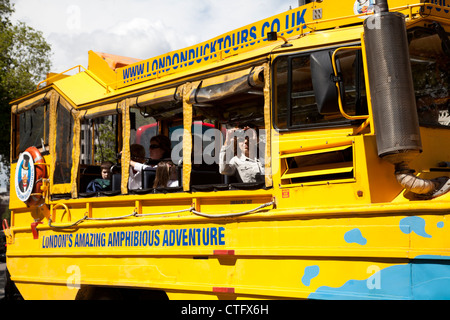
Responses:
[30,173]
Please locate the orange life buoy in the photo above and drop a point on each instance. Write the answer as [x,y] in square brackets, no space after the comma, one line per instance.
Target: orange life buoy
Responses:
[36,197]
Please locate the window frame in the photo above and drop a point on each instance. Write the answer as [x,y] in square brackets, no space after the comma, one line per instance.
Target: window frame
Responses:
[16,127]
[431,32]
[92,139]
[303,127]
[59,137]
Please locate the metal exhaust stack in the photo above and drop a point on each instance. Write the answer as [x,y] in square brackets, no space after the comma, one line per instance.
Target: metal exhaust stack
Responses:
[381,6]
[393,99]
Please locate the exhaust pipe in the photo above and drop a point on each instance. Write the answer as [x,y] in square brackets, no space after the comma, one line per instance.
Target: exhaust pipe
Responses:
[407,179]
[381,6]
[393,98]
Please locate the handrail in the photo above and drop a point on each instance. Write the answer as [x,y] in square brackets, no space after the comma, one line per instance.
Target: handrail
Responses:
[341,108]
[135,214]
[232,215]
[89,73]
[59,74]
[66,210]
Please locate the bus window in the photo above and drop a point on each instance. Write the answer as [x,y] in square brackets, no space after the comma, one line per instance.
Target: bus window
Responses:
[353,85]
[33,129]
[142,130]
[99,145]
[202,137]
[238,111]
[295,101]
[99,140]
[431,76]
[64,146]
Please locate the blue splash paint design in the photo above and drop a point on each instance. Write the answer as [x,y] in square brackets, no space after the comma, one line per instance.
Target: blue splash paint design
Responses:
[355,236]
[414,224]
[440,225]
[424,278]
[310,273]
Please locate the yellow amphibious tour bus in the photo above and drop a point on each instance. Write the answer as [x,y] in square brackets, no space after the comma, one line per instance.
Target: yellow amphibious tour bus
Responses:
[303,156]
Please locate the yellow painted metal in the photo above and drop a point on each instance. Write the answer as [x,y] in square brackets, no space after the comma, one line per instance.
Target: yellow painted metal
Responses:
[187,135]
[58,76]
[88,88]
[125,157]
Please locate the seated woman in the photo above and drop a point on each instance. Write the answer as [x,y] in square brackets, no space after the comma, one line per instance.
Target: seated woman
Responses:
[166,175]
[137,153]
[160,148]
[244,162]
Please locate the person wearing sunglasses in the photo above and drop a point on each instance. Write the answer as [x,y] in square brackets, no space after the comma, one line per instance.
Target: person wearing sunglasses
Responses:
[160,148]
[240,158]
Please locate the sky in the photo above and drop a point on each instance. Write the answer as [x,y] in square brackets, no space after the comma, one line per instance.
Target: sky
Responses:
[136,28]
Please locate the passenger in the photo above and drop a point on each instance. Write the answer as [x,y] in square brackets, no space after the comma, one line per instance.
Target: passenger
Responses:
[160,148]
[166,175]
[103,184]
[245,163]
[137,160]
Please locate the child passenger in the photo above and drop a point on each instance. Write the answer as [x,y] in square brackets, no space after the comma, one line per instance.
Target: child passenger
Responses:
[103,184]
[166,175]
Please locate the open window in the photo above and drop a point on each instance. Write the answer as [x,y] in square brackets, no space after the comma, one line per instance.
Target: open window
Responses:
[212,106]
[100,138]
[152,119]
[230,102]
[430,62]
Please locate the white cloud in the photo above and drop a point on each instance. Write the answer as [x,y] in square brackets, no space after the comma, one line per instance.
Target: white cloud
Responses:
[136,28]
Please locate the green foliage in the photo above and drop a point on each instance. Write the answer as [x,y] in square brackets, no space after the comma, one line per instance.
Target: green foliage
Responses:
[24,61]
[106,148]
[6,215]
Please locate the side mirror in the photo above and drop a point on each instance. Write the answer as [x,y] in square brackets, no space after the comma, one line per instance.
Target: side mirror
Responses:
[324,83]
[272,36]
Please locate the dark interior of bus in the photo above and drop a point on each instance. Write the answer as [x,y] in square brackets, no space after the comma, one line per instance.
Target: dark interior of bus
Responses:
[211,118]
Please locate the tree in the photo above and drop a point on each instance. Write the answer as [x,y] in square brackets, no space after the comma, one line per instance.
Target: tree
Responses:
[24,61]
[106,142]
